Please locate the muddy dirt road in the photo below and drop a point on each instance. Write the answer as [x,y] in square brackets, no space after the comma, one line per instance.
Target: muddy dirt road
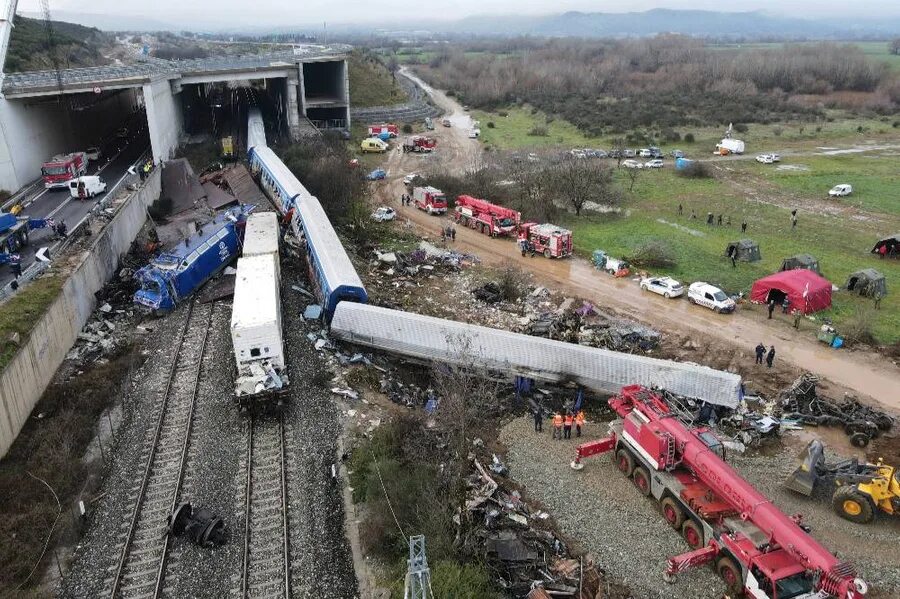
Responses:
[862,373]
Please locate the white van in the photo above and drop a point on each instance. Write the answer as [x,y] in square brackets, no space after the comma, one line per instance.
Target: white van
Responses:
[839,191]
[86,187]
[710,296]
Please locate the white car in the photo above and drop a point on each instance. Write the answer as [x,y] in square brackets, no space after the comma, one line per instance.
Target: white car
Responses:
[710,296]
[408,179]
[383,214]
[632,164]
[839,191]
[474,133]
[655,163]
[645,153]
[765,159]
[665,286]
[775,157]
[93,154]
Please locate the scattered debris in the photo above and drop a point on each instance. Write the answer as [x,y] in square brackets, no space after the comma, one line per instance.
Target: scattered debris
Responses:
[201,526]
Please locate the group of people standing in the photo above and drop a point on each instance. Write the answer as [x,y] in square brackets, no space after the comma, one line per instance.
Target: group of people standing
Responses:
[562,423]
[406,200]
[761,354]
[448,234]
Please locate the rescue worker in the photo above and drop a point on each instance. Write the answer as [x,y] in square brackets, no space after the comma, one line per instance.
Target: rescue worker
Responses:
[760,352]
[770,357]
[719,221]
[797,316]
[771,308]
[744,227]
[61,229]
[579,422]
[557,425]
[878,296]
[709,218]
[452,233]
[680,209]
[538,414]
[15,262]
[567,426]
[785,305]
[82,192]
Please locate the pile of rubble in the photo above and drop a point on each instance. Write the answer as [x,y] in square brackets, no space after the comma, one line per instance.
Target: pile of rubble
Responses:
[861,423]
[519,543]
[109,328]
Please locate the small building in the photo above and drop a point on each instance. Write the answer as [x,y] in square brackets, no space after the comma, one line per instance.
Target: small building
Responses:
[890,244]
[806,290]
[745,250]
[868,282]
[806,261]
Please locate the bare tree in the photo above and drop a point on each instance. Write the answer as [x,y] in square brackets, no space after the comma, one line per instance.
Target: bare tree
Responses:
[633,174]
[618,149]
[578,182]
[895,46]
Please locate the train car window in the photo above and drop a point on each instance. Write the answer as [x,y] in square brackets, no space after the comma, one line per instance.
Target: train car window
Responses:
[254,352]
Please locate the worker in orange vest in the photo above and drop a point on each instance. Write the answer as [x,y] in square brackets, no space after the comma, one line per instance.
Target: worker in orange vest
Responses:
[557,425]
[567,428]
[579,422]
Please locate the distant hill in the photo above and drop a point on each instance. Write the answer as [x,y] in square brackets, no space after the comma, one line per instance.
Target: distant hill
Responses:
[76,46]
[702,23]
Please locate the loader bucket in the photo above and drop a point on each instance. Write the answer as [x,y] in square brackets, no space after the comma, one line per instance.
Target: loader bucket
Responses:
[804,478]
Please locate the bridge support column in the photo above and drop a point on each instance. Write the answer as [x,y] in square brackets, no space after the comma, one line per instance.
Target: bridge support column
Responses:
[293,109]
[164,118]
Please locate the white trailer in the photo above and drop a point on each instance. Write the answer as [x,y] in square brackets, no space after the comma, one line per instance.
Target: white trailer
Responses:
[261,235]
[256,313]
[730,146]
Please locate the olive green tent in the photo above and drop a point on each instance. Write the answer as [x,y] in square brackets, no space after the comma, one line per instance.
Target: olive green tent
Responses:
[745,250]
[801,261]
[868,282]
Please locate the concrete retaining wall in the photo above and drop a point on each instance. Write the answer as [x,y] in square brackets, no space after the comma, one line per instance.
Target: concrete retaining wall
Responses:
[30,371]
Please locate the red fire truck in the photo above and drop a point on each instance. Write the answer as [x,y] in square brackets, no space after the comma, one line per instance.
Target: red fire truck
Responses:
[419,143]
[546,239]
[430,199]
[488,218]
[390,128]
[59,170]
[755,548]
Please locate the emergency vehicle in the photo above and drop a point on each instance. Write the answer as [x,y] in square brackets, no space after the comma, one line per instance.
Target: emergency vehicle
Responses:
[489,219]
[59,170]
[710,296]
[430,199]
[550,240]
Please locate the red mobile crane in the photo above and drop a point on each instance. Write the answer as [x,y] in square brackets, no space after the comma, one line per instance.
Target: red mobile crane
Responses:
[757,549]
[486,217]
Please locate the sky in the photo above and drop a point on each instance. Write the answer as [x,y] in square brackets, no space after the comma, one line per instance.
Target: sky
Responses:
[302,12]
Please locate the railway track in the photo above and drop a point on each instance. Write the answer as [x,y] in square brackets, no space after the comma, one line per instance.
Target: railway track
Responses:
[141,564]
[266,569]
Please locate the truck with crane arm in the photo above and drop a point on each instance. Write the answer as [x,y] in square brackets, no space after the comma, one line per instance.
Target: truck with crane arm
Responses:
[489,219]
[756,549]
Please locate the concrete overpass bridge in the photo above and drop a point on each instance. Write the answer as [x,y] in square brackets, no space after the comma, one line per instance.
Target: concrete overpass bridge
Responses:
[44,113]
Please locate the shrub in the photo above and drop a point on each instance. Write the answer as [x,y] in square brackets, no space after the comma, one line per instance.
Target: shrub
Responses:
[653,254]
[695,170]
[406,128]
[777,131]
[512,282]
[741,127]
[503,113]
[689,138]
[490,124]
[858,328]
[539,131]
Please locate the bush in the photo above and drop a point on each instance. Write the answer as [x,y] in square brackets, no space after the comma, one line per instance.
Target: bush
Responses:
[741,127]
[461,581]
[689,138]
[653,254]
[777,131]
[539,131]
[512,282]
[858,328]
[490,124]
[407,128]
[161,208]
[503,113]
[695,170]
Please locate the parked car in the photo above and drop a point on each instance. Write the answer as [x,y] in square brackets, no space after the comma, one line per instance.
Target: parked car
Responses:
[445,122]
[655,163]
[710,296]
[665,286]
[655,152]
[577,153]
[764,159]
[632,164]
[600,154]
[615,153]
[383,214]
[775,157]
[93,153]
[677,154]
[377,175]
[839,191]
[408,179]
[373,144]
[628,153]
[645,153]
[474,133]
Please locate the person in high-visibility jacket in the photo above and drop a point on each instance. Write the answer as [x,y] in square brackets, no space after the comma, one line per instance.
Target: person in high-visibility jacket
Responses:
[557,425]
[579,422]
[567,425]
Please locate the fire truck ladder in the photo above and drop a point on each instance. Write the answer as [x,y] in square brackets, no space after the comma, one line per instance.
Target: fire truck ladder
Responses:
[670,451]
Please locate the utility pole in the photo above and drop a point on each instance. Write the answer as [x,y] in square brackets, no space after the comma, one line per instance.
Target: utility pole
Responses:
[418,576]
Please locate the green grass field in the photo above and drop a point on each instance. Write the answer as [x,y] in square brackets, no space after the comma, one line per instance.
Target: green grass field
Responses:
[372,84]
[876,50]
[512,131]
[841,246]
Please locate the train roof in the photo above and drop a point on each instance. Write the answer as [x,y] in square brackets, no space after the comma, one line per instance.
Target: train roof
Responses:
[261,235]
[289,184]
[256,129]
[256,301]
[451,342]
[325,243]
[208,231]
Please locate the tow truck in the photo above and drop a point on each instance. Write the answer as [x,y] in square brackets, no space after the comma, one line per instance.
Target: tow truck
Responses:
[756,549]
[15,231]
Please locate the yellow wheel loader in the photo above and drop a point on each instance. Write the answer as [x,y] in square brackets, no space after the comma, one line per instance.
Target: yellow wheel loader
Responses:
[862,489]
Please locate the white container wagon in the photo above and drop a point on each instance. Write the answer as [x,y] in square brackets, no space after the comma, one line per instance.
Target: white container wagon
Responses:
[261,235]
[256,331]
